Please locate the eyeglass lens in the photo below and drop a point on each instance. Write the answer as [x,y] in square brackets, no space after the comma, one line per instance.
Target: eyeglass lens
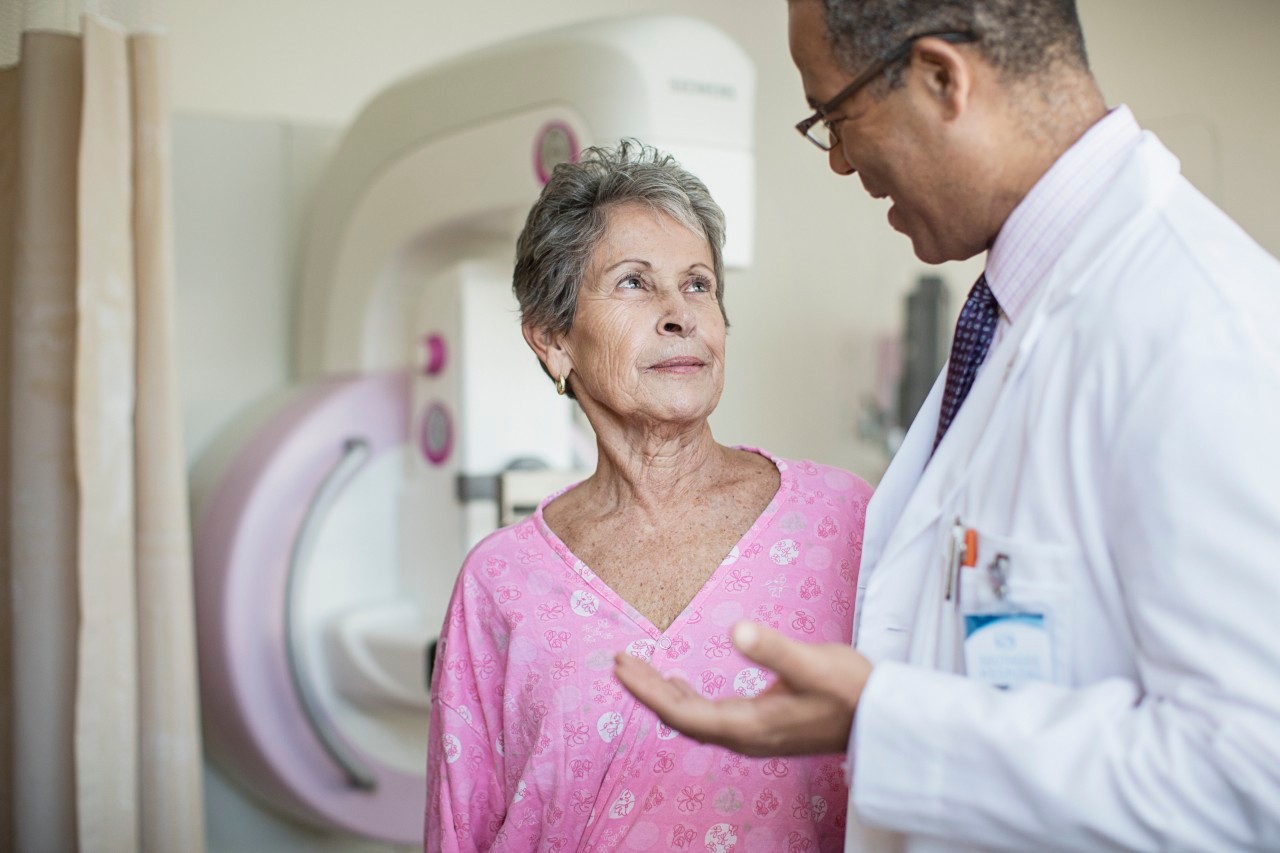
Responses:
[823,136]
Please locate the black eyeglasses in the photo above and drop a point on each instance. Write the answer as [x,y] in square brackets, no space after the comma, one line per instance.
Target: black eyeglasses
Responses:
[822,133]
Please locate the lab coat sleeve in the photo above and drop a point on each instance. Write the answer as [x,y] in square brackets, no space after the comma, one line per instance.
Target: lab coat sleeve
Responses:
[464,800]
[1186,754]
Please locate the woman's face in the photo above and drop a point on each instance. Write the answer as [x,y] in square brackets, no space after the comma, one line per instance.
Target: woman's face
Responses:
[647,342]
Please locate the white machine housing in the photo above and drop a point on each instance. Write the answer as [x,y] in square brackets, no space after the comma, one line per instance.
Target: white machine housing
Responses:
[447,158]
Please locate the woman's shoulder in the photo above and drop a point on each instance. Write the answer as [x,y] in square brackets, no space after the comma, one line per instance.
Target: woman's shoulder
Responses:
[815,477]
[505,546]
[489,588]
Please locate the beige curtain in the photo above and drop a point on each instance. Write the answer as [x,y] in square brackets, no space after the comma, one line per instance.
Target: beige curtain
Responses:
[99,728]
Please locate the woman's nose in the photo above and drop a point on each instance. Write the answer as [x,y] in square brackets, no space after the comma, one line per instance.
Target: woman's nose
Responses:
[677,318]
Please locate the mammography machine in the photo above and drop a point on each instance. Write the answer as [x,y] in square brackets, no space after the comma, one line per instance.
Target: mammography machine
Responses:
[331,519]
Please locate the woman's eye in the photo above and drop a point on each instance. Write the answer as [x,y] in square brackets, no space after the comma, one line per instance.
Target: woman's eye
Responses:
[631,282]
[700,285]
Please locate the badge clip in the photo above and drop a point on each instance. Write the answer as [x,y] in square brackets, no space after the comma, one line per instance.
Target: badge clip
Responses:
[998,571]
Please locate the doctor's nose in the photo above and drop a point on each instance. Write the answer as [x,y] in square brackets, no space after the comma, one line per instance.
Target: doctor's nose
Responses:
[838,162]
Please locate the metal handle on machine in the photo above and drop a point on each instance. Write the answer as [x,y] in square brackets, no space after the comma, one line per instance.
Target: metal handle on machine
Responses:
[355,452]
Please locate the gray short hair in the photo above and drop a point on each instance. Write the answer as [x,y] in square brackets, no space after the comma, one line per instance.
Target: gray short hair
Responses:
[1020,38]
[568,220]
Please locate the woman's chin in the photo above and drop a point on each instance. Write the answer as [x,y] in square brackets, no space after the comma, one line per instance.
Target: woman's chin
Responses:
[660,406]
[681,409]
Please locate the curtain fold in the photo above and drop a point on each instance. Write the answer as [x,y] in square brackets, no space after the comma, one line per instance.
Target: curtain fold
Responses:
[170,754]
[8,188]
[44,500]
[107,684]
[99,723]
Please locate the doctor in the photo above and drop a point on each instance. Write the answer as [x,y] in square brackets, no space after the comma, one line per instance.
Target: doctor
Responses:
[1069,631]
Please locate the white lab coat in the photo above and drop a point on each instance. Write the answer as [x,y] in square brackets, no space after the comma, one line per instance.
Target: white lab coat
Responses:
[1122,446]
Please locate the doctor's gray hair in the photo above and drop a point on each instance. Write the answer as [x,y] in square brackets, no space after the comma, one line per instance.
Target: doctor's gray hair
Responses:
[1021,38]
[570,217]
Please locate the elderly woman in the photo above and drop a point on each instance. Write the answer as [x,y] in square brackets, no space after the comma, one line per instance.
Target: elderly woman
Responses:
[673,539]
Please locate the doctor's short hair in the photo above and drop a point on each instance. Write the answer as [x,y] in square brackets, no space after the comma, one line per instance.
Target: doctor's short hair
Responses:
[1022,39]
[570,217]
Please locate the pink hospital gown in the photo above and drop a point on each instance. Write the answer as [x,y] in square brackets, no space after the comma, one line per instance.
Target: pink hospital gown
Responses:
[536,746]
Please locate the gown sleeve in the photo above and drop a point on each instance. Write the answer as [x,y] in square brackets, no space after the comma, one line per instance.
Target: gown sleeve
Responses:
[464,801]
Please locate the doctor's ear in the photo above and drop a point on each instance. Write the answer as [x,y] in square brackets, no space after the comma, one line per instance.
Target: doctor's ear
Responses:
[947,73]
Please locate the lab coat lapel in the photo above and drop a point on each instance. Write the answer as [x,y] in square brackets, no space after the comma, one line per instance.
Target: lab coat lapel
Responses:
[895,630]
[894,491]
[946,471]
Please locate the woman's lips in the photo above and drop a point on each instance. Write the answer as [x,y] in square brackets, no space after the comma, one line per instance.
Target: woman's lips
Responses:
[679,364]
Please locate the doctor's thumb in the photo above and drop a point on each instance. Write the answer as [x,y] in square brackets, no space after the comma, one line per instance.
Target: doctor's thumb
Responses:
[786,657]
[836,670]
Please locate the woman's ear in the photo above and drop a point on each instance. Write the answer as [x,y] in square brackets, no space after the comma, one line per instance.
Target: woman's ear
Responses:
[550,349]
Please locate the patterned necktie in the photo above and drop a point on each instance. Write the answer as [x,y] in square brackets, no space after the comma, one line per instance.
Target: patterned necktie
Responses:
[974,331]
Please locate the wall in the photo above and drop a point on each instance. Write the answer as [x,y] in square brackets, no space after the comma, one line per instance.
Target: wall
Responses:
[829,274]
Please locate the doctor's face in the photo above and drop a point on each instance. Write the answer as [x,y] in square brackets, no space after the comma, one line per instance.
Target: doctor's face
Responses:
[897,144]
[648,338]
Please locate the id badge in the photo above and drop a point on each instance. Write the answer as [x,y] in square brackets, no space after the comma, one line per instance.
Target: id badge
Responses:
[1007,649]
[1008,636]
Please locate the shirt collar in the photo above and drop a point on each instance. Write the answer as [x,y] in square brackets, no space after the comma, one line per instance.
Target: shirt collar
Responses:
[1036,234]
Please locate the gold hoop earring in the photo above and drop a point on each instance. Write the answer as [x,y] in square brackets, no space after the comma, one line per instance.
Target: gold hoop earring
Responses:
[561,387]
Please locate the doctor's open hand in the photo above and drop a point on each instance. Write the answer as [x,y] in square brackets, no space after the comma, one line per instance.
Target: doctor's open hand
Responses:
[807,710]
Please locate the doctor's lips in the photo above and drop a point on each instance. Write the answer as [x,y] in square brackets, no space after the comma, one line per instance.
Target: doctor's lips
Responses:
[875,192]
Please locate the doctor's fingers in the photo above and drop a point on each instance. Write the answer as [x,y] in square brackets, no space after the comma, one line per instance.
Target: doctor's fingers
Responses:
[833,669]
[672,699]
[648,685]
[779,721]
[682,708]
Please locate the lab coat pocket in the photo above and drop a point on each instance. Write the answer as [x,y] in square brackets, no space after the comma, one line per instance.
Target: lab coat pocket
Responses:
[1015,611]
